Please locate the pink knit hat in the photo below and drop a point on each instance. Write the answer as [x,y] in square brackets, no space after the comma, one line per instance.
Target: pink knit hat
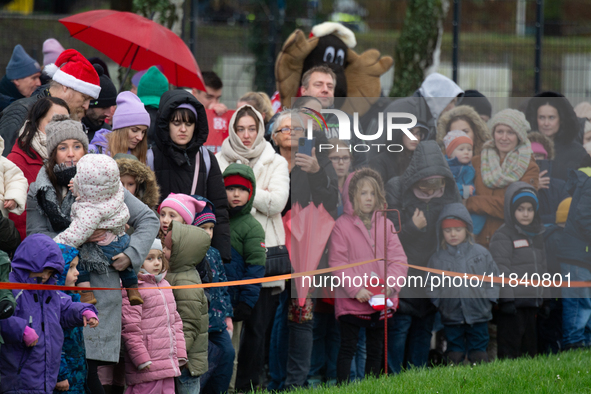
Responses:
[185,205]
[536,147]
[51,51]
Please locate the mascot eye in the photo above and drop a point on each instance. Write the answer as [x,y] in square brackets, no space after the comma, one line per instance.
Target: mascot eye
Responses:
[340,59]
[329,55]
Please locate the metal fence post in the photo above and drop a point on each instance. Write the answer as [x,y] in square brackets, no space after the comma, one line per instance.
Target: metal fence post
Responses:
[456,42]
[539,33]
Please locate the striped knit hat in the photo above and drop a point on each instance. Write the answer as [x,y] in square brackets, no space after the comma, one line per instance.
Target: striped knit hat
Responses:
[514,119]
[205,216]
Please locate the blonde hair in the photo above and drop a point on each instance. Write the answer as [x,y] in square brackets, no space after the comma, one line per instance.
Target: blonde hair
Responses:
[261,102]
[119,143]
[469,238]
[380,198]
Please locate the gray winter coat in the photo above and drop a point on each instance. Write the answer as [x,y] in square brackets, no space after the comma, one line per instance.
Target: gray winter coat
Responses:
[103,342]
[516,252]
[463,304]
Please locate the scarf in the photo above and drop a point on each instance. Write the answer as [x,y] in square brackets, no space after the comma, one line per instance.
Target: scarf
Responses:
[38,143]
[498,176]
[91,255]
[426,197]
[234,150]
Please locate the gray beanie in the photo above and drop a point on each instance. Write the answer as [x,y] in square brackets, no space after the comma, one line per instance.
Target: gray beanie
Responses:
[514,119]
[63,128]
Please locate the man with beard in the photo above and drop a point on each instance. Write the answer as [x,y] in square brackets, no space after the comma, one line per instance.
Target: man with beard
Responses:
[74,80]
[103,107]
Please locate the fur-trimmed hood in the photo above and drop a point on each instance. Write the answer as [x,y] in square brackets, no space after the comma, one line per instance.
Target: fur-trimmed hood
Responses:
[481,132]
[546,142]
[352,183]
[147,190]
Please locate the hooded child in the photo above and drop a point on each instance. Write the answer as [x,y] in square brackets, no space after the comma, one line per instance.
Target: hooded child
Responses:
[419,195]
[458,153]
[465,310]
[354,239]
[153,332]
[185,247]
[138,179]
[33,336]
[100,205]
[73,370]
[248,247]
[220,353]
[518,249]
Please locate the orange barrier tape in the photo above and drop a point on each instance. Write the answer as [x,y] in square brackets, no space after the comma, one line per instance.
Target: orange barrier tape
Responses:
[31,286]
[487,278]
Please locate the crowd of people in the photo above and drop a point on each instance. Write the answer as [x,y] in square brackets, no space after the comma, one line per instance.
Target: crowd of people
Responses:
[107,190]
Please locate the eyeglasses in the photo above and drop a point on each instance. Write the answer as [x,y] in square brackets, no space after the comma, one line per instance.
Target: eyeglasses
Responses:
[252,129]
[337,159]
[286,130]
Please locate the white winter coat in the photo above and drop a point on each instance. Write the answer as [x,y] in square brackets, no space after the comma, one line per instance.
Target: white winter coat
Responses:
[13,184]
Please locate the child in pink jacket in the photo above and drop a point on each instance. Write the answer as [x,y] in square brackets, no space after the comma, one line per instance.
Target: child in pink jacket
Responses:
[153,332]
[353,241]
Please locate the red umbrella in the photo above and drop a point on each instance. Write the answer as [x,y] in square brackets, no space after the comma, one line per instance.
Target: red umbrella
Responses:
[133,41]
[310,230]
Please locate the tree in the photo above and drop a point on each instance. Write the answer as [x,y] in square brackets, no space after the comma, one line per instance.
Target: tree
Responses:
[418,47]
[168,13]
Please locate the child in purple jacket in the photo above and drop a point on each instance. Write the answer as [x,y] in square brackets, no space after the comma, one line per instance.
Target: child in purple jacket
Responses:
[33,336]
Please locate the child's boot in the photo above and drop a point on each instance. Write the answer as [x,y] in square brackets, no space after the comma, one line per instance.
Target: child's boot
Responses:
[134,296]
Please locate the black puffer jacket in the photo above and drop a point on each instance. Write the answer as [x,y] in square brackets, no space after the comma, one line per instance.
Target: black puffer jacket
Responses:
[569,153]
[175,166]
[392,164]
[516,252]
[419,245]
[13,117]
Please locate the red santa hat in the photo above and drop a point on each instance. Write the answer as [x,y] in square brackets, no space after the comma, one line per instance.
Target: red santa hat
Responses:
[342,32]
[72,70]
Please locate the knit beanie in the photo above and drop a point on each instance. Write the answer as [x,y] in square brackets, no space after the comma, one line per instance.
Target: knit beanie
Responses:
[562,210]
[524,196]
[240,181]
[108,96]
[69,253]
[536,147]
[514,119]
[72,70]
[130,112]
[453,222]
[455,138]
[21,65]
[185,205]
[51,50]
[478,101]
[62,128]
[152,86]
[157,244]
[205,216]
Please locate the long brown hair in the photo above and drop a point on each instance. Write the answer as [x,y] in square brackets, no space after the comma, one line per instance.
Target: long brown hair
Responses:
[362,177]
[119,143]
[246,111]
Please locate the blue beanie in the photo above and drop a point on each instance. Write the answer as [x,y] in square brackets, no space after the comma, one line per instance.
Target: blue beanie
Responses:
[21,65]
[69,253]
[205,216]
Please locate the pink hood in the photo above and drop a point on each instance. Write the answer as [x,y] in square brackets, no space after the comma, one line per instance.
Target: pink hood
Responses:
[351,242]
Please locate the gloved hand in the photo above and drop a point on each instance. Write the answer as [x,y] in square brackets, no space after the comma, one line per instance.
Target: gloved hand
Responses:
[6,309]
[544,311]
[242,311]
[508,308]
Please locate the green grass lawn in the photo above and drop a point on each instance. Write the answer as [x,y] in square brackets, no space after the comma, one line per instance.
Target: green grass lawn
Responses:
[568,372]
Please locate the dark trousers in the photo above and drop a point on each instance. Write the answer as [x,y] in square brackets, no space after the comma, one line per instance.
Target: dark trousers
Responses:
[220,366]
[516,334]
[374,335]
[467,339]
[251,357]
[409,341]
